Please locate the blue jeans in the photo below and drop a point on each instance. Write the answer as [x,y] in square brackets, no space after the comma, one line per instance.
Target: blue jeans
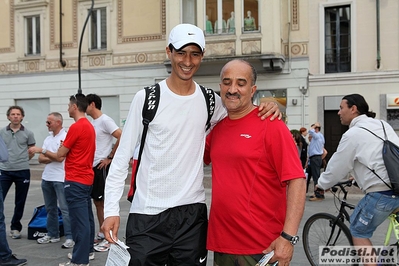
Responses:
[81,216]
[5,251]
[371,211]
[52,191]
[21,179]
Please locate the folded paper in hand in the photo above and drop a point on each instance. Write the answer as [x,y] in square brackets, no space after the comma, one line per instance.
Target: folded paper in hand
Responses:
[118,254]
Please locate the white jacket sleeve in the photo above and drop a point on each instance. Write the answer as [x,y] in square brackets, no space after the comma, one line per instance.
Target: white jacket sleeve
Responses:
[118,171]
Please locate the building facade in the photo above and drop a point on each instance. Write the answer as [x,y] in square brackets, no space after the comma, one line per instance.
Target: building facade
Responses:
[353,48]
[123,49]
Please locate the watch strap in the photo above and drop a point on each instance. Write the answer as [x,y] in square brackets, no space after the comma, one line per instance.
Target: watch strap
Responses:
[293,239]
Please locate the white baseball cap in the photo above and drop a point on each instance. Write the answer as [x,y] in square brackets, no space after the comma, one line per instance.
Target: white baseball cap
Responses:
[184,34]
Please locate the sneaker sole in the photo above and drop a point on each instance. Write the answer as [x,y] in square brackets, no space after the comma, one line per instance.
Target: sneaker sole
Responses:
[91,256]
[316,199]
[49,242]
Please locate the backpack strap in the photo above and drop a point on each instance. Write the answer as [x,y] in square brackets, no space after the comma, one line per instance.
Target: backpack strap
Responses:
[209,95]
[374,133]
[383,128]
[384,140]
[150,107]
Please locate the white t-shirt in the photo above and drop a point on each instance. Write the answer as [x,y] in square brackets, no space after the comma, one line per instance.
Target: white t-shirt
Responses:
[104,127]
[171,169]
[54,171]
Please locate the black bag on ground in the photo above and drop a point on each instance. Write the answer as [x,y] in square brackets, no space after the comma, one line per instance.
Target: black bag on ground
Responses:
[37,227]
[390,155]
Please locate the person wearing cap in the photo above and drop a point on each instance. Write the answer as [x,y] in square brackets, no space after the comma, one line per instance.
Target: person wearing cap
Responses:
[167,222]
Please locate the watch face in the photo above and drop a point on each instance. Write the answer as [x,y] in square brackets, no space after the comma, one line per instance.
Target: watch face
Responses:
[294,240]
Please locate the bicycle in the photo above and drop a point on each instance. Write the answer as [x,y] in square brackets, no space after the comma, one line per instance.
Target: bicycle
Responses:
[325,229]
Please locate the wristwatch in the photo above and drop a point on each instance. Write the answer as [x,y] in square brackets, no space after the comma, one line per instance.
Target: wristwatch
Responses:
[110,157]
[293,239]
[44,151]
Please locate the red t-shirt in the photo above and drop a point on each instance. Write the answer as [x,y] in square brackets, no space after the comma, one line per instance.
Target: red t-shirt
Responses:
[81,142]
[251,160]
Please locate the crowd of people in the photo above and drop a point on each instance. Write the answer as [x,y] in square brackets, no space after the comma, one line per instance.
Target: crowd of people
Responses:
[252,154]
[76,165]
[312,154]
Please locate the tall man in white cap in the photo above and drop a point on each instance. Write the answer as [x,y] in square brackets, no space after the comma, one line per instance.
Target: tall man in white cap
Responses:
[168,217]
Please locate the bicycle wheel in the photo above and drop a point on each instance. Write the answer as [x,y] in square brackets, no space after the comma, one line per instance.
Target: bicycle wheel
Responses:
[317,231]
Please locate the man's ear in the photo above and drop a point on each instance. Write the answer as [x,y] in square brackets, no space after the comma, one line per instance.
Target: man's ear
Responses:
[253,90]
[354,109]
[168,51]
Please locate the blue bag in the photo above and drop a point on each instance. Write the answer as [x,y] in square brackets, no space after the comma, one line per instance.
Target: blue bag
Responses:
[37,227]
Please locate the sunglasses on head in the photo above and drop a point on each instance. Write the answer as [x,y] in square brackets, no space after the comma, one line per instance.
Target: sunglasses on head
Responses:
[78,95]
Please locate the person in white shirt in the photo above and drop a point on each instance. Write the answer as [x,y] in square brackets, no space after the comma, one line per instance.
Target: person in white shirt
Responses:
[168,220]
[358,153]
[106,131]
[53,178]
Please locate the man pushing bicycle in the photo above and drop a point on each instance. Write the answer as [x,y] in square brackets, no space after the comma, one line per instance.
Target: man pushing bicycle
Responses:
[360,153]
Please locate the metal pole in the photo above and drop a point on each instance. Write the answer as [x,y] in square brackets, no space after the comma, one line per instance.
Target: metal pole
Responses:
[378,35]
[80,46]
[62,62]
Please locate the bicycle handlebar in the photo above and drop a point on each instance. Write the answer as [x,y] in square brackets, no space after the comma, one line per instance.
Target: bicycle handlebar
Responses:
[342,185]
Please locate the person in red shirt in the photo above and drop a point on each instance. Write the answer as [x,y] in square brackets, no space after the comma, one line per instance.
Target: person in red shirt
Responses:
[78,149]
[258,184]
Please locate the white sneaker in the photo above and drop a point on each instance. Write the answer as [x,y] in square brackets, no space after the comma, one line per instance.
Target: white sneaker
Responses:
[91,256]
[69,243]
[102,247]
[15,234]
[48,239]
[72,264]
[99,238]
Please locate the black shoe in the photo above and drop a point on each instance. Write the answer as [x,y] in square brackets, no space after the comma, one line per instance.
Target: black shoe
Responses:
[13,261]
[318,196]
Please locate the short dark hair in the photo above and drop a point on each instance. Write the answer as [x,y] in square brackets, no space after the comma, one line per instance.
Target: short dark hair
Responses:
[94,98]
[361,104]
[80,100]
[16,107]
[171,47]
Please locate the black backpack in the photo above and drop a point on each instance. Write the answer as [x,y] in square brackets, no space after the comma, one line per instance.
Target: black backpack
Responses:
[150,107]
[390,155]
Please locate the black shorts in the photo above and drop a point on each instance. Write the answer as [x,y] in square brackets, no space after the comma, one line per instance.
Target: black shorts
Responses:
[100,175]
[175,237]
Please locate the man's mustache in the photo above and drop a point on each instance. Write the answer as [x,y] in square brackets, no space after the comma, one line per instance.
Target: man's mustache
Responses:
[228,94]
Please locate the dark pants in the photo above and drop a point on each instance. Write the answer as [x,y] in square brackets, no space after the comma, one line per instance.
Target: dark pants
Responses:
[224,259]
[21,179]
[315,166]
[5,251]
[176,236]
[82,220]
